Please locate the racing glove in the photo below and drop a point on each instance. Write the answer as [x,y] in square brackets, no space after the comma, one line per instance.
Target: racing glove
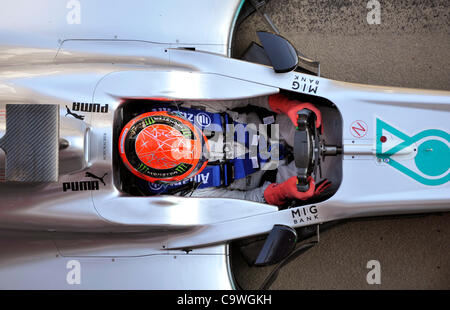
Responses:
[281,104]
[322,186]
[280,193]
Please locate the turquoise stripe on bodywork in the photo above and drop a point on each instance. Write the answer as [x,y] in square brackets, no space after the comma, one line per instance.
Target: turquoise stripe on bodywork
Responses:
[431,164]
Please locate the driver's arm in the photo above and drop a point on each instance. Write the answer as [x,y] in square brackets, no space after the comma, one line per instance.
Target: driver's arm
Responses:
[281,104]
[277,194]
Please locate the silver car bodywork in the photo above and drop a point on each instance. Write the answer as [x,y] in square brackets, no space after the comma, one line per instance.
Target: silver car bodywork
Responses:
[177,49]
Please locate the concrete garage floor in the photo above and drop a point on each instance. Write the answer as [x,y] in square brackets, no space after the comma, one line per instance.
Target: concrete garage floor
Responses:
[410,48]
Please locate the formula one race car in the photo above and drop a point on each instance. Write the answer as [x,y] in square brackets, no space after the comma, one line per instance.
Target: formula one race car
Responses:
[96,99]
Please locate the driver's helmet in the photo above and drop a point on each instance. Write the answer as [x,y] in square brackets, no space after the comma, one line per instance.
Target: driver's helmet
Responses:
[163,147]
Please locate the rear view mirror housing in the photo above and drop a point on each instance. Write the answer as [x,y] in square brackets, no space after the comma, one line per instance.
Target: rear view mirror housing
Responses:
[279,244]
[281,53]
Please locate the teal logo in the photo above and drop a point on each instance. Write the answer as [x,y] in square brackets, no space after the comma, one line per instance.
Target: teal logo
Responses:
[432,158]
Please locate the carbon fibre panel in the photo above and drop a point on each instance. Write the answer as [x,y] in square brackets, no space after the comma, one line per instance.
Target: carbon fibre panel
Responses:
[31,142]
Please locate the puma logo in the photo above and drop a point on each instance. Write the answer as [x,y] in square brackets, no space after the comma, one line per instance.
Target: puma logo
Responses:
[101,179]
[80,117]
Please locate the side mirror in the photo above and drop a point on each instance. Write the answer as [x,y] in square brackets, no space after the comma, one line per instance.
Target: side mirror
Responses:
[279,244]
[280,51]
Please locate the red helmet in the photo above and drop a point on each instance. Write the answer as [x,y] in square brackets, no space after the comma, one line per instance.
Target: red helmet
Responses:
[162,147]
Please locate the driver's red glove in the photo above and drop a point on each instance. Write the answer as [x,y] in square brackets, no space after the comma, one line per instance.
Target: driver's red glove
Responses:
[279,194]
[280,104]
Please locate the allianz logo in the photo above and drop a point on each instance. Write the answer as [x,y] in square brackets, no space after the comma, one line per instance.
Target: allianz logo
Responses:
[199,178]
[201,118]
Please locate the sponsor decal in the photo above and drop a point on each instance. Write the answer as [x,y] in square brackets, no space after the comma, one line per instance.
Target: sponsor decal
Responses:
[203,119]
[77,116]
[305,214]
[186,115]
[431,164]
[199,178]
[81,186]
[358,129]
[105,146]
[90,107]
[85,185]
[305,84]
[86,107]
[155,186]
[93,176]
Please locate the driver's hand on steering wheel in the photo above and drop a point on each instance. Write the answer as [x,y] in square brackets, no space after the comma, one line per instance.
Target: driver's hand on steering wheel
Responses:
[280,193]
[281,104]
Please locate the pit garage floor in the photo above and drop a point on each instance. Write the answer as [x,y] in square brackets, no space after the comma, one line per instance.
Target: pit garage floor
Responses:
[409,48]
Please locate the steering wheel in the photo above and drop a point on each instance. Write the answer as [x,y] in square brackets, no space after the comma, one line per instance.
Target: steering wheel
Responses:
[306,148]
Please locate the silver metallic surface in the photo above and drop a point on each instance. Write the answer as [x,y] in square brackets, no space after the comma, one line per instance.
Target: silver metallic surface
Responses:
[88,70]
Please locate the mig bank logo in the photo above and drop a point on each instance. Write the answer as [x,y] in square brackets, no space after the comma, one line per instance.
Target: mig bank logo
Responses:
[305,214]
